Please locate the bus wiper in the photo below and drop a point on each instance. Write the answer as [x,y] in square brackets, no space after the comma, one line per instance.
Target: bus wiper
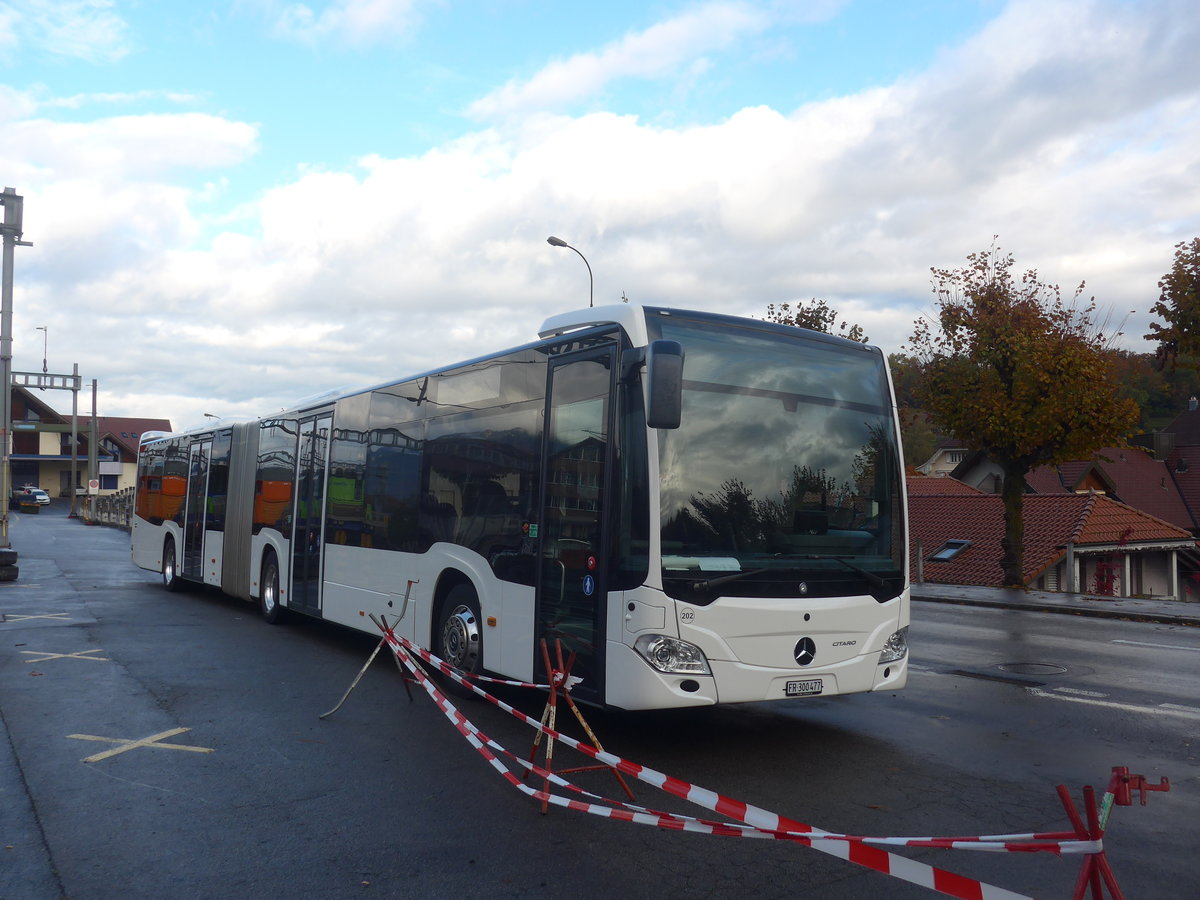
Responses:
[870,577]
[699,586]
[880,590]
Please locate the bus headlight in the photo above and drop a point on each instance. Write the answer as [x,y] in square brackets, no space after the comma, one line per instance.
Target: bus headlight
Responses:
[672,656]
[896,647]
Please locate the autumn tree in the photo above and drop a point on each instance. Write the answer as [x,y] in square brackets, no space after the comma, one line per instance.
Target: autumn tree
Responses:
[1014,370]
[1161,392]
[815,315]
[1179,306]
[920,437]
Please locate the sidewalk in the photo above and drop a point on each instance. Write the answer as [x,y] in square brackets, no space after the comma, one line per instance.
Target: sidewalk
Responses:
[1168,612]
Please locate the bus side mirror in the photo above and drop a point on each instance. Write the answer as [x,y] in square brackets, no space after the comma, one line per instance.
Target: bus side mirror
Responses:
[664,381]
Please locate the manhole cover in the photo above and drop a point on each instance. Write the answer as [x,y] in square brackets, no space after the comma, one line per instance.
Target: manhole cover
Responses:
[1032,668]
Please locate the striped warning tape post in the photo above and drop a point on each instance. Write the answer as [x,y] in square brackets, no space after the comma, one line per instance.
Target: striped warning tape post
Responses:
[755,822]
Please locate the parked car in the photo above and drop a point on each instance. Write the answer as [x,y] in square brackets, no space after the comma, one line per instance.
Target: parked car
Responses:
[29,494]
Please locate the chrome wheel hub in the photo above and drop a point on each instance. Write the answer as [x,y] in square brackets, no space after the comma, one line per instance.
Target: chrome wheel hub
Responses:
[460,639]
[268,594]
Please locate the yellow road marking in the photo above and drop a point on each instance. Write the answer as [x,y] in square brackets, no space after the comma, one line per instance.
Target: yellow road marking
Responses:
[126,745]
[42,655]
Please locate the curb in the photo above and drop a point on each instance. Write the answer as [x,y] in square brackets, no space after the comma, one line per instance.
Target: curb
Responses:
[1160,618]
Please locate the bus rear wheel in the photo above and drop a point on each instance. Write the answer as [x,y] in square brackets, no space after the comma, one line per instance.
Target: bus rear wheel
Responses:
[268,594]
[460,641]
[170,567]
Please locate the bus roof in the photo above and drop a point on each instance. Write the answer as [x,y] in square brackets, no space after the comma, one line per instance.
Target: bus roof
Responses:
[630,317]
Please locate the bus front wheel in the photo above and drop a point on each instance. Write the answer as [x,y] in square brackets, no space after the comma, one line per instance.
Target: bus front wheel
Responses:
[268,595]
[460,641]
[170,567]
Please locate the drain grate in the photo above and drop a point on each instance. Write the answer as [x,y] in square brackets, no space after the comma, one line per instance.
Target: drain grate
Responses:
[1032,668]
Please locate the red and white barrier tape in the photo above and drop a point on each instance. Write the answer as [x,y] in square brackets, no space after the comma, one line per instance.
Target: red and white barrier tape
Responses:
[753,821]
[446,669]
[1053,842]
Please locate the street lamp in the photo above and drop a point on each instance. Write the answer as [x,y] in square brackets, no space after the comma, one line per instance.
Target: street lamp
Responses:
[45,329]
[559,242]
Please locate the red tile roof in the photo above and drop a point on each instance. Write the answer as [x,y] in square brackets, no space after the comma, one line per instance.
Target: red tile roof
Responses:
[126,430]
[1186,428]
[1129,474]
[1145,483]
[1183,462]
[938,486]
[1051,522]
[1046,480]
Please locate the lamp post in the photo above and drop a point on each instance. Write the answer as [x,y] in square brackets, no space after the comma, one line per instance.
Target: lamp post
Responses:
[45,329]
[559,242]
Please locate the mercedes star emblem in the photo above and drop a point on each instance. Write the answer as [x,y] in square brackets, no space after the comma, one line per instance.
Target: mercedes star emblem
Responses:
[806,649]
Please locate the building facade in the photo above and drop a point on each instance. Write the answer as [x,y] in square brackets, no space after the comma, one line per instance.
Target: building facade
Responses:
[41,451]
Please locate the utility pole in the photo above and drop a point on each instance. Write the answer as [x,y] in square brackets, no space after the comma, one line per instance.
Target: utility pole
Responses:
[74,444]
[73,383]
[11,232]
[93,451]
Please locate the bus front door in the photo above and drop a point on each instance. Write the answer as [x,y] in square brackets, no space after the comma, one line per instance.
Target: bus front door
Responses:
[308,528]
[571,588]
[195,514]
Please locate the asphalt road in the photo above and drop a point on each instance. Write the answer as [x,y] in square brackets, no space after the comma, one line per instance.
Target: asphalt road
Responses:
[385,799]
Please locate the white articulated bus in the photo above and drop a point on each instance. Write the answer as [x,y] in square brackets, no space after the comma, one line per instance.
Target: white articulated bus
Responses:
[704,509]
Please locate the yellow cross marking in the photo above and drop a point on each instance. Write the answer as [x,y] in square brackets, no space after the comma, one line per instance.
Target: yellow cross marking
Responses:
[8,617]
[42,655]
[126,745]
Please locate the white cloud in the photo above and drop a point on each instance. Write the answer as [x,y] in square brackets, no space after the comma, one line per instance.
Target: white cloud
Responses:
[15,105]
[78,101]
[353,22]
[674,46]
[1069,129]
[132,147]
[82,29]
[9,19]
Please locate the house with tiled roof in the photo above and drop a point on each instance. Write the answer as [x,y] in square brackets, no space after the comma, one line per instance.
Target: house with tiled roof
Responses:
[948,452]
[1086,543]
[1178,445]
[1128,474]
[42,455]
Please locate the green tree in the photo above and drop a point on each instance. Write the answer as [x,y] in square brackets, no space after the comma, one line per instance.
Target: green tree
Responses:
[815,315]
[906,378]
[919,435]
[918,432]
[1179,306]
[1015,371]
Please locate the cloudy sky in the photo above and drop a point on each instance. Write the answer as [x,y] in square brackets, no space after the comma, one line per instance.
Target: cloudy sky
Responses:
[237,203]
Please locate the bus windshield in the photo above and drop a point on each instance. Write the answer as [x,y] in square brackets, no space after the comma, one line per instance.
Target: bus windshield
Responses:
[783,479]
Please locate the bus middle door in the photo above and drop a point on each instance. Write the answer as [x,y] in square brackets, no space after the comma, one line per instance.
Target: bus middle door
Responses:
[572,583]
[195,516]
[308,522]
